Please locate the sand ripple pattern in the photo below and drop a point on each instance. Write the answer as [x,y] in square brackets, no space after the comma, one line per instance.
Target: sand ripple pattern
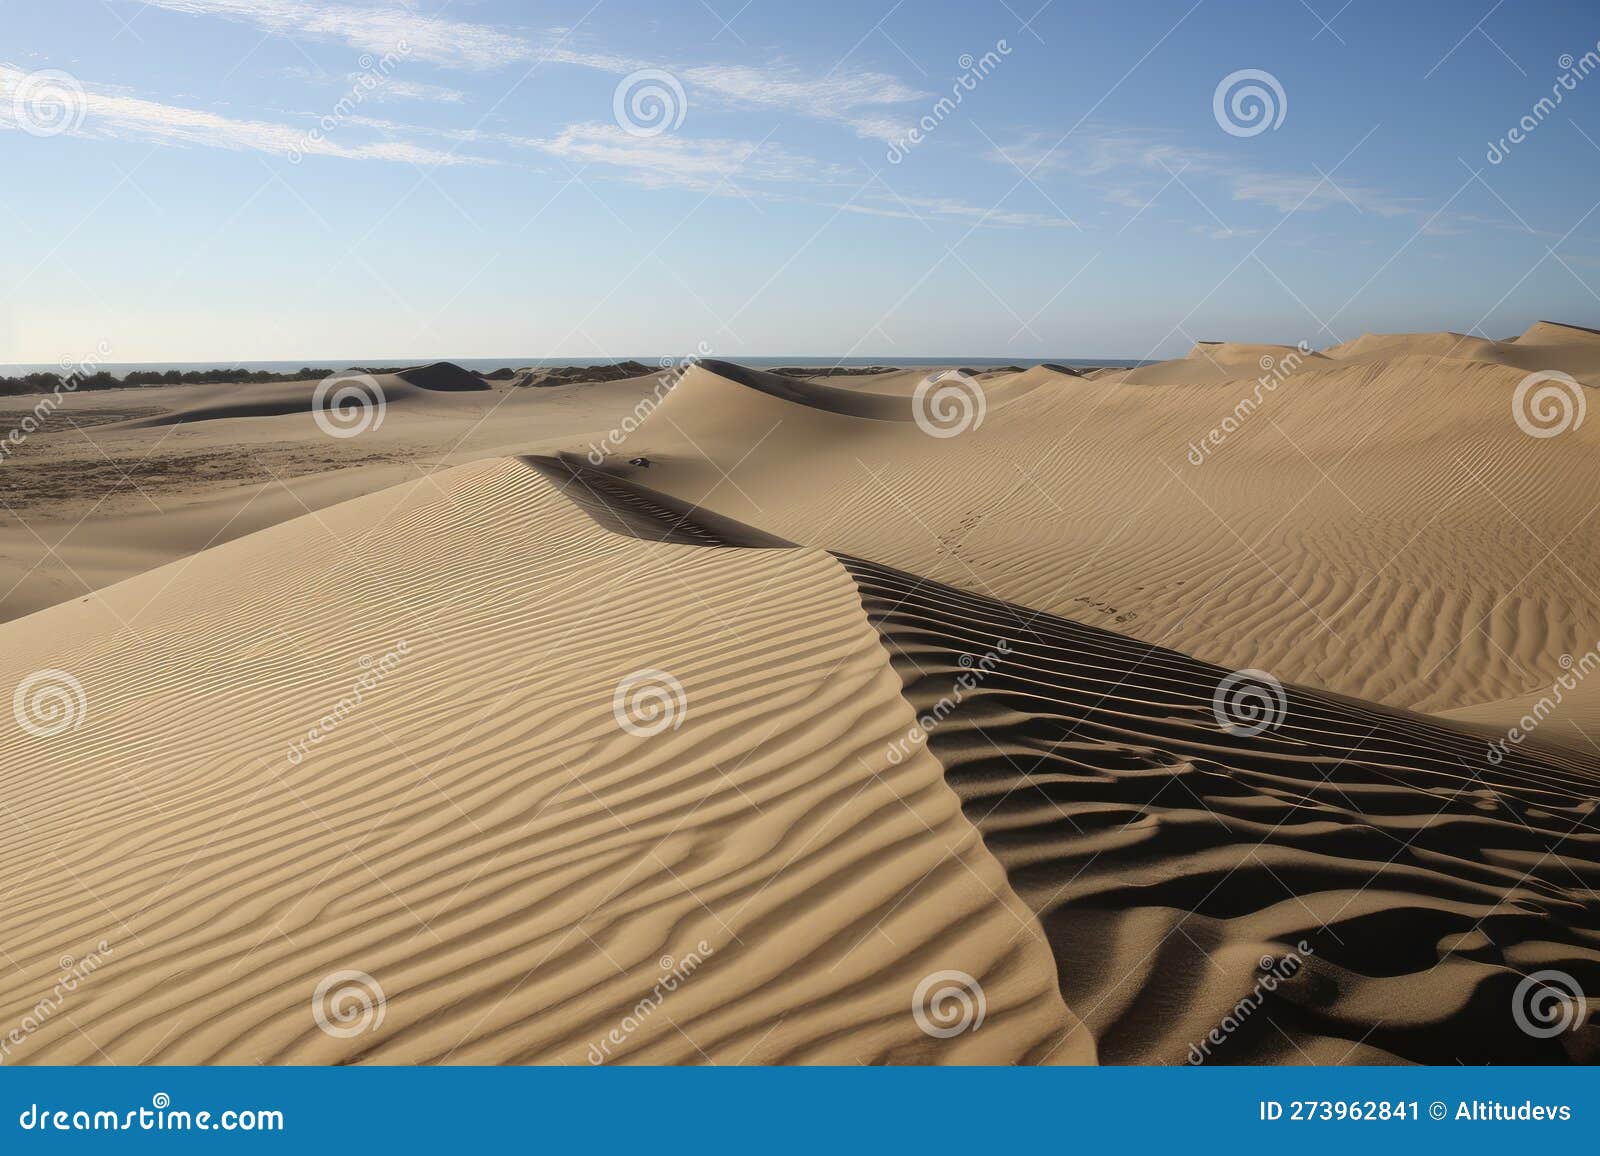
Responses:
[512,870]
[1167,857]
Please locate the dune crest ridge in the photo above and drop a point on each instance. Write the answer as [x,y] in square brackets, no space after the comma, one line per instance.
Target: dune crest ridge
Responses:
[479,834]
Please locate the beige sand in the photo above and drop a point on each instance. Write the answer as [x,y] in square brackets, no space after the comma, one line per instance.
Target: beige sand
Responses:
[512,867]
[478,834]
[1383,529]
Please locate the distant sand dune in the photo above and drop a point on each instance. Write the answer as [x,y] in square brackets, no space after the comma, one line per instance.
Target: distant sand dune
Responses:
[1543,345]
[424,383]
[1383,529]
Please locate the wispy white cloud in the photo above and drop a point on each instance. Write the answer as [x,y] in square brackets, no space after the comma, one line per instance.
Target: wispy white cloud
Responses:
[412,90]
[388,88]
[115,115]
[863,100]
[454,43]
[677,161]
[1151,162]
[859,99]
[915,208]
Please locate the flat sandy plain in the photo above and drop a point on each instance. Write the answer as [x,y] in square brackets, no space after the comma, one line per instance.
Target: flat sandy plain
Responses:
[580,723]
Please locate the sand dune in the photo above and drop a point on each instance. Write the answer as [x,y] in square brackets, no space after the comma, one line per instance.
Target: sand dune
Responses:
[362,704]
[96,497]
[1543,345]
[1321,538]
[420,385]
[1167,856]
[1219,361]
[478,834]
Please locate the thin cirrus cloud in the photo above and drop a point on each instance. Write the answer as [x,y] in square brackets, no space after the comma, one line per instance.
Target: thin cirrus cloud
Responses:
[392,87]
[1138,165]
[699,164]
[452,43]
[118,116]
[754,170]
[860,99]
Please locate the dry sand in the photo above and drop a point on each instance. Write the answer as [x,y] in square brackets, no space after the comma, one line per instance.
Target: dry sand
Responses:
[374,726]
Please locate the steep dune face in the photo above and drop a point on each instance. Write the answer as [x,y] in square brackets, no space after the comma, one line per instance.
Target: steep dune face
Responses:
[558,793]
[1410,884]
[1314,526]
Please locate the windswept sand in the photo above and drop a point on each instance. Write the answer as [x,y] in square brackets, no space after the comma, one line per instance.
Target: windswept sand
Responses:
[478,834]
[375,726]
[1383,529]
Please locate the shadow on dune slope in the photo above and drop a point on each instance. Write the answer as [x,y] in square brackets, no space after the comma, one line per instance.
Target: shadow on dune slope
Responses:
[854,403]
[1168,858]
[624,507]
[1395,886]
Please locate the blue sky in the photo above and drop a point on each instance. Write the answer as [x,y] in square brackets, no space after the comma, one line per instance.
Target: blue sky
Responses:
[281,179]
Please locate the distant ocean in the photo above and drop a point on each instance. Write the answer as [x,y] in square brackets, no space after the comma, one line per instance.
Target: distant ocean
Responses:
[120,368]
